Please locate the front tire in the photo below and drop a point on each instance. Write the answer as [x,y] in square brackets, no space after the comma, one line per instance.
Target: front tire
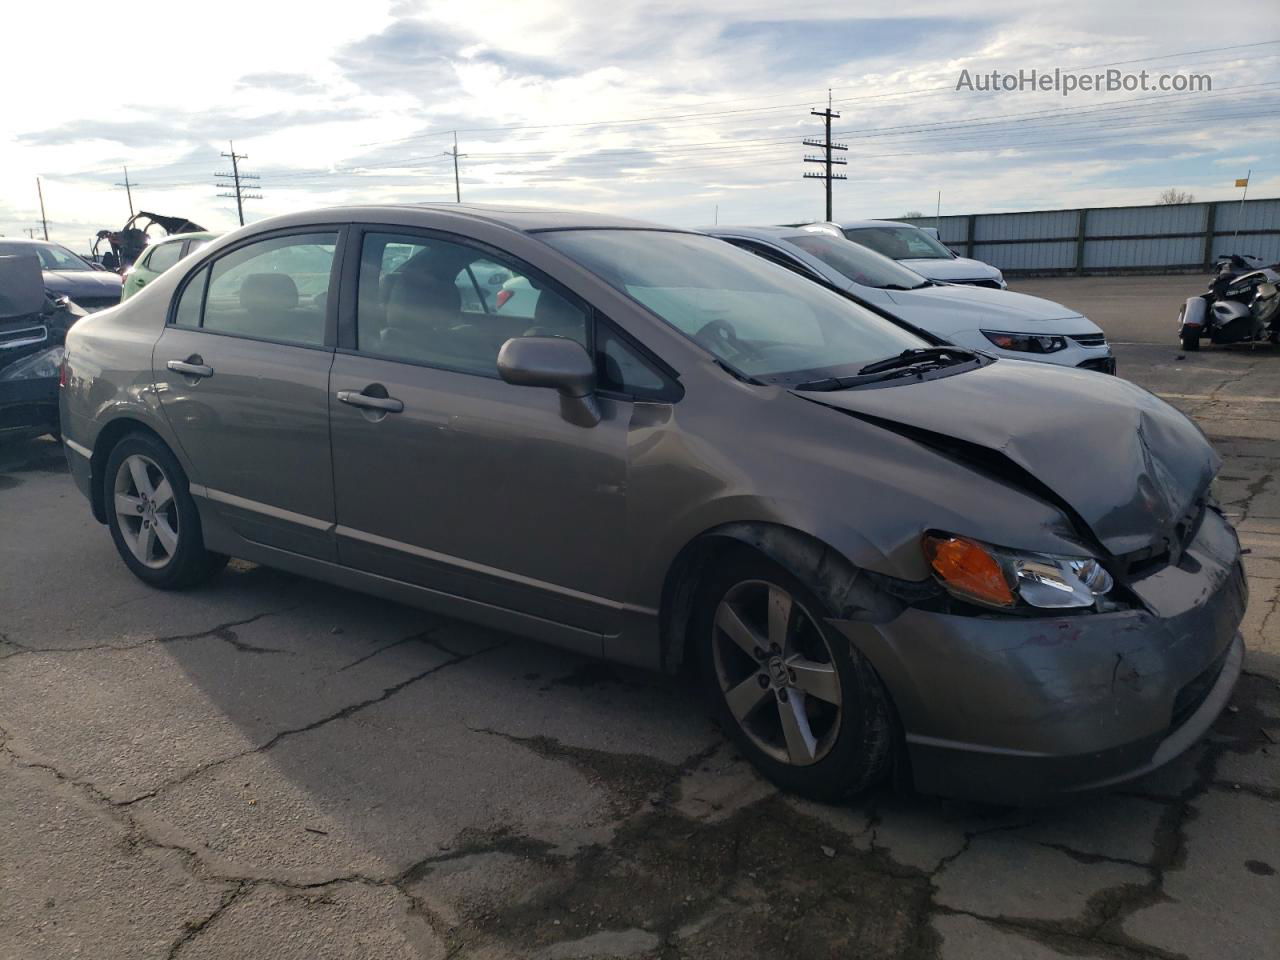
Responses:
[791,693]
[153,519]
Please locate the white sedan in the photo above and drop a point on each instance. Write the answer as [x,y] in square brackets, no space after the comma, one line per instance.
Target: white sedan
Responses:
[995,321]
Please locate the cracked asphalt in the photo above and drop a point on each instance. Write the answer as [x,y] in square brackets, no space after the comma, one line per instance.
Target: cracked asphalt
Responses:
[269,767]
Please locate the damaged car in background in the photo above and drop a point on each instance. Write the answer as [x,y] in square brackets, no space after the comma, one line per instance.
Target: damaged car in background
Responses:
[33,326]
[90,286]
[883,554]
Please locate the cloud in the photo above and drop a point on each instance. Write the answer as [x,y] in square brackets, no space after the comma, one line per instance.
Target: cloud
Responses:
[174,127]
[296,83]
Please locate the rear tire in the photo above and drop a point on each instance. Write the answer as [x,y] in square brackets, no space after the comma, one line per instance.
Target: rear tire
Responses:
[790,692]
[1190,341]
[153,519]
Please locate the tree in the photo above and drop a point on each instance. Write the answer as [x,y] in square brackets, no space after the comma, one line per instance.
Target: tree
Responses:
[913,215]
[1174,195]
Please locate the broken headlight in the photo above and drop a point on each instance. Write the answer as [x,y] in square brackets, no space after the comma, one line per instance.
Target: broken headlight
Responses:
[1026,342]
[996,577]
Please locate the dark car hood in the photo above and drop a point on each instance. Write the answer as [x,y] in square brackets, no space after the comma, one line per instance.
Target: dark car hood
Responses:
[82,283]
[1128,464]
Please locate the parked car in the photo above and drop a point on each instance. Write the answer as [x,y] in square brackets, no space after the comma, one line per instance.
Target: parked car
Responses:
[1007,324]
[915,248]
[1000,579]
[33,325]
[67,275]
[159,257]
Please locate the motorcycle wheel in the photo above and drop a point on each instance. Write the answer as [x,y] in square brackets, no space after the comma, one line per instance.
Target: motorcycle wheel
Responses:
[1190,341]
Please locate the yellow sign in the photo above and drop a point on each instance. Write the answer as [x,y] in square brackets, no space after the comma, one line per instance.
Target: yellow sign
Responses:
[1242,183]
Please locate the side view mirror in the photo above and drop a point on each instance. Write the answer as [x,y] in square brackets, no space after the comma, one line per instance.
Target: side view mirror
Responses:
[558,363]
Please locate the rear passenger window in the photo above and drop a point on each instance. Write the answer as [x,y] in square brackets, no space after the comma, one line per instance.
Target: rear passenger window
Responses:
[164,256]
[450,305]
[275,289]
[188,312]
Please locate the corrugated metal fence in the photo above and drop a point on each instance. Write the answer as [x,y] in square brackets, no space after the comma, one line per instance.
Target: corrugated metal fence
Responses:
[1156,239]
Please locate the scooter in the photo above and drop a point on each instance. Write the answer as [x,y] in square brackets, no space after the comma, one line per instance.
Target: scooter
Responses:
[1242,305]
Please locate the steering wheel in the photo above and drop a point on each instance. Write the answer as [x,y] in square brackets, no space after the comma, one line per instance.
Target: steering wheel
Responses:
[719,335]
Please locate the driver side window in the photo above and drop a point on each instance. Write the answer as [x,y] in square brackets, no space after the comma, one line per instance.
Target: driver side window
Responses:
[446,304]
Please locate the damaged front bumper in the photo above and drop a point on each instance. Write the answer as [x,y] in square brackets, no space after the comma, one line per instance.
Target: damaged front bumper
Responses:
[1017,710]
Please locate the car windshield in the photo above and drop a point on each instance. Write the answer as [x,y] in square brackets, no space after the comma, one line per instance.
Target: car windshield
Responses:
[860,264]
[900,242]
[759,318]
[52,256]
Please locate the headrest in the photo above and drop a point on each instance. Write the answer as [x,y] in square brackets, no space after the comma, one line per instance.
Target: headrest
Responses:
[555,312]
[416,297]
[261,292]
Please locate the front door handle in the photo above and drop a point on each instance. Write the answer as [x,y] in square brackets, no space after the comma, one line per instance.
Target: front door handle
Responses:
[193,366]
[383,404]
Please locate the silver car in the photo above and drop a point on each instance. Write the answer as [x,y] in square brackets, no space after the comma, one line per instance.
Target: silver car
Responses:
[882,553]
[913,247]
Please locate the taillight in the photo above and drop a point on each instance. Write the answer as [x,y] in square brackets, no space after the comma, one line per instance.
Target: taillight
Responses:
[503,297]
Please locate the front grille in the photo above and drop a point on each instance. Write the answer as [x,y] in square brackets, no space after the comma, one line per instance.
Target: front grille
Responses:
[1101,364]
[993,284]
[22,337]
[1143,563]
[1090,339]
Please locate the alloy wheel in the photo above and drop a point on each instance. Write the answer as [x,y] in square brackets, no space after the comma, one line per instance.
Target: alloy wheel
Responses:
[146,511]
[776,672]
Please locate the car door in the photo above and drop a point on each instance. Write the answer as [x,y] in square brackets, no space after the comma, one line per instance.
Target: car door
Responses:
[447,477]
[242,372]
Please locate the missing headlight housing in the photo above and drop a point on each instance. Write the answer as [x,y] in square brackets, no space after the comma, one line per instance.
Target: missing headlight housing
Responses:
[1001,578]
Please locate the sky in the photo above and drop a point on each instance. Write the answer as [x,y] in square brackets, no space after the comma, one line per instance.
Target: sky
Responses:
[682,113]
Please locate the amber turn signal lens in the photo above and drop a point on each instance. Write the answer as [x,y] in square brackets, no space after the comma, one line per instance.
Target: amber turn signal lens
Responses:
[968,569]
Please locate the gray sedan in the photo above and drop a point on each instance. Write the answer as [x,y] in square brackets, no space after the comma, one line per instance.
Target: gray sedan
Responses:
[881,553]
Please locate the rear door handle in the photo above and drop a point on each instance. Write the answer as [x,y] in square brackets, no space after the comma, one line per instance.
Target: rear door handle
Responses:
[385,404]
[191,367]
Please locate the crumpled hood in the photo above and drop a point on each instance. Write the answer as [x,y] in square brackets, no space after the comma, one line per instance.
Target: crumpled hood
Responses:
[1127,463]
[83,283]
[981,308]
[961,268]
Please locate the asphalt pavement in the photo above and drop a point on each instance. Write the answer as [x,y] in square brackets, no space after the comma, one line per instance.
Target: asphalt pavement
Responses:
[270,767]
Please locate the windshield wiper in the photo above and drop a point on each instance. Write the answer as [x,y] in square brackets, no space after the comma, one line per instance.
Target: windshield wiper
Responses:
[917,355]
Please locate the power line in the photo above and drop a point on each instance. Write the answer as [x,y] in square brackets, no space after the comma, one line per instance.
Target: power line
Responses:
[236,177]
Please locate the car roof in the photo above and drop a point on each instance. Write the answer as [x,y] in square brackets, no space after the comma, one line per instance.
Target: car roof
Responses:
[758,233]
[524,219]
[860,224]
[34,241]
[174,237]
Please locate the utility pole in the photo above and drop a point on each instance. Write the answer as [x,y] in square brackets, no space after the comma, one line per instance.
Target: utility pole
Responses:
[237,185]
[128,190]
[827,147]
[31,232]
[457,185]
[44,222]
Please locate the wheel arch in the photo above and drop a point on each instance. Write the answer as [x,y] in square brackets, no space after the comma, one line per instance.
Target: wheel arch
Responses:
[850,592]
[108,437]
